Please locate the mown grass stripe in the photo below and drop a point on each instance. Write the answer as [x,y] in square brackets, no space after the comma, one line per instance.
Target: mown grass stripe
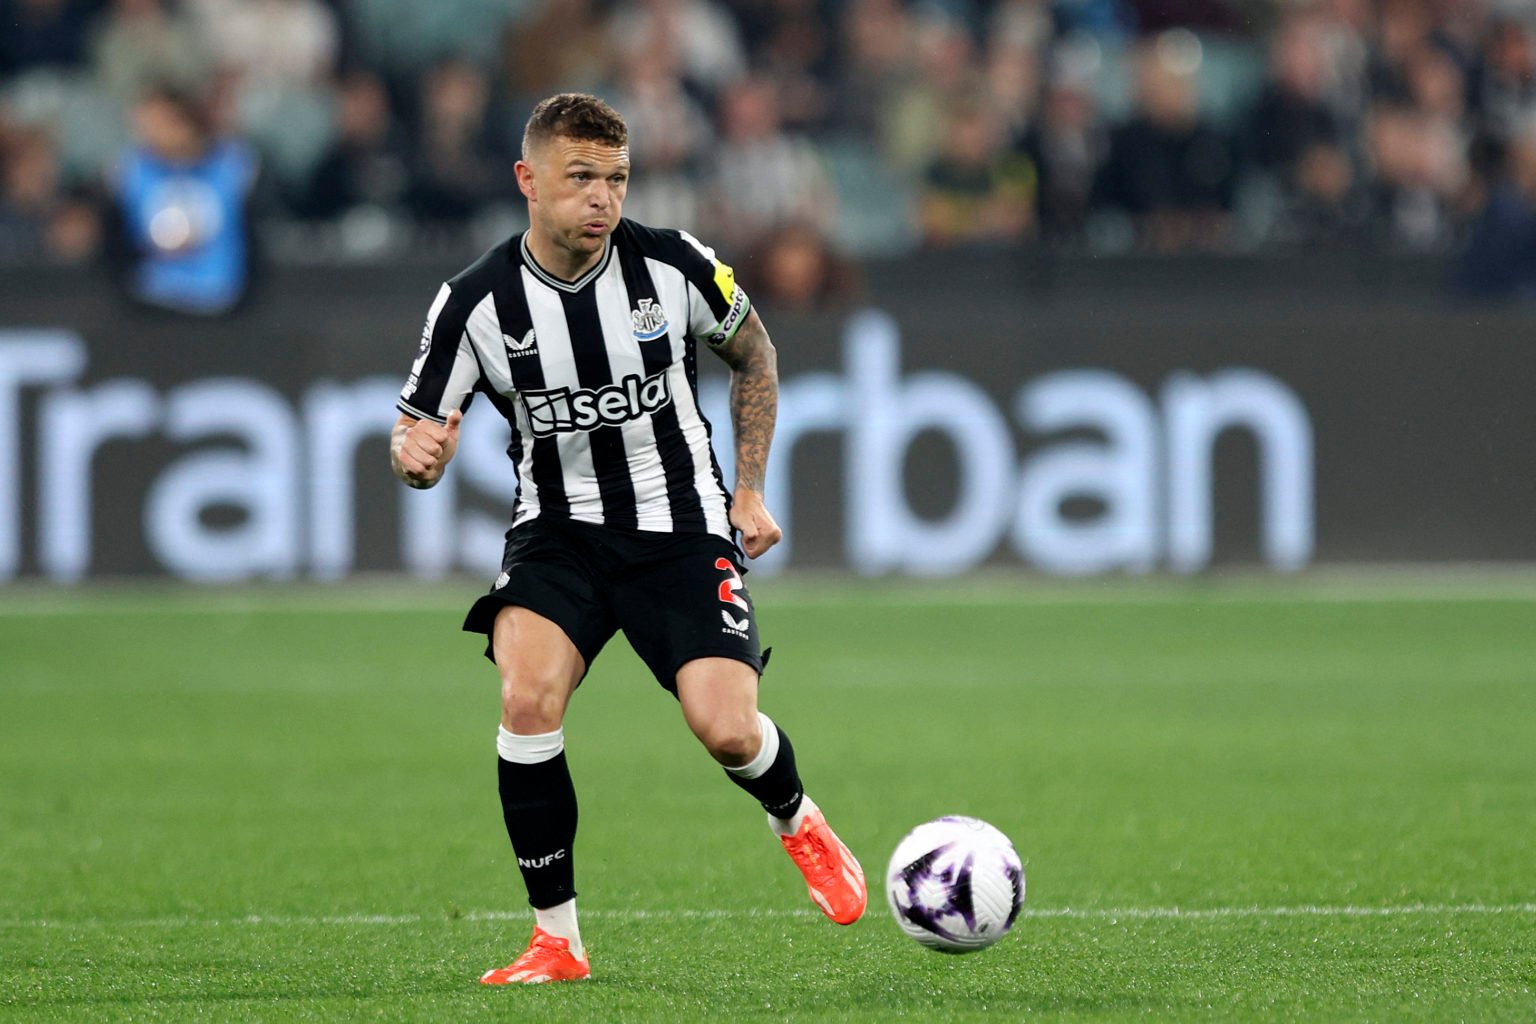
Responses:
[639,914]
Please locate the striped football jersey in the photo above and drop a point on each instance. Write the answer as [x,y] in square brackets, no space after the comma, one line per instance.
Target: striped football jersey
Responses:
[597,377]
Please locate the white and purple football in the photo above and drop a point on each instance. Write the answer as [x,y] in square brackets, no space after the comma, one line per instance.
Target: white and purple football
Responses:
[955,884]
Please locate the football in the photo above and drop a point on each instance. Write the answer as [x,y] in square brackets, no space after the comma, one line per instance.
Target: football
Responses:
[955,884]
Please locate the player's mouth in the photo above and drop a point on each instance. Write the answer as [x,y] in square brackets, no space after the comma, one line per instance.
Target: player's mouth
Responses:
[595,227]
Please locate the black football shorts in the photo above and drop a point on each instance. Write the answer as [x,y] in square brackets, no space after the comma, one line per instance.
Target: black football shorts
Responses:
[676,596]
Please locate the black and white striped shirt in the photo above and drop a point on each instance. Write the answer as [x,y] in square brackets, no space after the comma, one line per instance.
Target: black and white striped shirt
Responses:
[598,377]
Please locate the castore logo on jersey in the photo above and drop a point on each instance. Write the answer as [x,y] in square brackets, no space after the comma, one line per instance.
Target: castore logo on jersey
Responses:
[524,346]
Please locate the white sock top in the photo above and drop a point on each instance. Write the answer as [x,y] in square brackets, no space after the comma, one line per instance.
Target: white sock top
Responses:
[533,749]
[767,753]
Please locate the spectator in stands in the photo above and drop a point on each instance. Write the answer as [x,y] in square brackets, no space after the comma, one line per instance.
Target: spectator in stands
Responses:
[763,177]
[39,221]
[1503,90]
[1420,167]
[1012,83]
[181,196]
[1461,26]
[790,42]
[796,267]
[1419,141]
[1346,28]
[1021,23]
[1363,130]
[977,191]
[947,69]
[368,162]
[1298,140]
[1437,87]
[1293,113]
[1169,168]
[707,39]
[457,166]
[873,63]
[270,42]
[139,44]
[43,33]
[561,45]
[1067,145]
[1499,259]
[671,137]
[1403,30]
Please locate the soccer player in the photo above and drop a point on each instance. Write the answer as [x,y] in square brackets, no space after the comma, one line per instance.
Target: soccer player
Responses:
[582,333]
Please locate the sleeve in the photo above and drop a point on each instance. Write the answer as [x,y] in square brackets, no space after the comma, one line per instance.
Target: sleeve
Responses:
[717,305]
[446,370]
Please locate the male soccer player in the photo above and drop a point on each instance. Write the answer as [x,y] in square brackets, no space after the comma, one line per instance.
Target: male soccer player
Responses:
[582,332]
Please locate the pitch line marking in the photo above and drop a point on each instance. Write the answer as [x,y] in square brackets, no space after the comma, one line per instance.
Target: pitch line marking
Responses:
[1086,914]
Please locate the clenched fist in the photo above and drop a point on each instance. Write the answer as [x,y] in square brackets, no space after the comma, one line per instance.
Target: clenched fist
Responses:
[420,450]
[759,531]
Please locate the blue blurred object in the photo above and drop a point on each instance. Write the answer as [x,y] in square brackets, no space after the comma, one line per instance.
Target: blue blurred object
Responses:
[188,225]
[1499,259]
[1111,19]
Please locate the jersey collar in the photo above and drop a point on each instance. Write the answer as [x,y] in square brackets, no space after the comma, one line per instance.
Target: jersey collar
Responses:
[555,282]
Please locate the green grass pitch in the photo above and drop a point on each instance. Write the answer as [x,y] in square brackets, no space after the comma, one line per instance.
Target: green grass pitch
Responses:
[1233,802]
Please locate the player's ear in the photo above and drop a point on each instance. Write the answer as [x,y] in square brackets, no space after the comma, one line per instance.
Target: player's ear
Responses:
[524,171]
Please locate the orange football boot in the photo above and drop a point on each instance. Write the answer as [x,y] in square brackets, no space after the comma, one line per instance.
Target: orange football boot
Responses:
[832,873]
[548,958]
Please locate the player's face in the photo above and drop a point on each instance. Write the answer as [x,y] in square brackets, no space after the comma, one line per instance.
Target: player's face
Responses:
[575,191]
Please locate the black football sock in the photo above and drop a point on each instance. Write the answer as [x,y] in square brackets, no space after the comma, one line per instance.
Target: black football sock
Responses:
[538,803]
[771,776]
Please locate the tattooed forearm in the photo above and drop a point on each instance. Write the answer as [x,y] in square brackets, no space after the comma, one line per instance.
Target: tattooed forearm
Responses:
[754,399]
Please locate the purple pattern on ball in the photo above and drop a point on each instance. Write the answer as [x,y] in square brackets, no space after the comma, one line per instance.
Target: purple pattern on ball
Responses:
[1016,879]
[957,888]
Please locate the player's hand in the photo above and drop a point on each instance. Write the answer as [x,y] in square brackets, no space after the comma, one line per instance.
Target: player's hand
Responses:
[426,448]
[758,530]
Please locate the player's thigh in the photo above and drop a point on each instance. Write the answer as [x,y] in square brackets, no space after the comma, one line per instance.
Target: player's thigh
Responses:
[690,604]
[540,668]
[546,618]
[719,702]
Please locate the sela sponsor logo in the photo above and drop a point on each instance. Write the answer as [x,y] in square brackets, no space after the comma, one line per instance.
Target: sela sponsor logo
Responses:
[426,339]
[564,411]
[527,345]
[541,862]
[649,321]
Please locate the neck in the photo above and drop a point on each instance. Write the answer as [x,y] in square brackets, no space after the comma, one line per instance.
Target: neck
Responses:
[560,261]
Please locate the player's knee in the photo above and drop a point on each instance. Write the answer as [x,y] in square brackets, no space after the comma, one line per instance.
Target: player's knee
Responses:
[531,705]
[733,740]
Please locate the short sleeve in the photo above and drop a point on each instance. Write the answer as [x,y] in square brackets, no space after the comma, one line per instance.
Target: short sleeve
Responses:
[717,305]
[445,372]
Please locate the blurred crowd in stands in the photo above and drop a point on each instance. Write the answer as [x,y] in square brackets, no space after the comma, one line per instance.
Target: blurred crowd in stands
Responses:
[809,134]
